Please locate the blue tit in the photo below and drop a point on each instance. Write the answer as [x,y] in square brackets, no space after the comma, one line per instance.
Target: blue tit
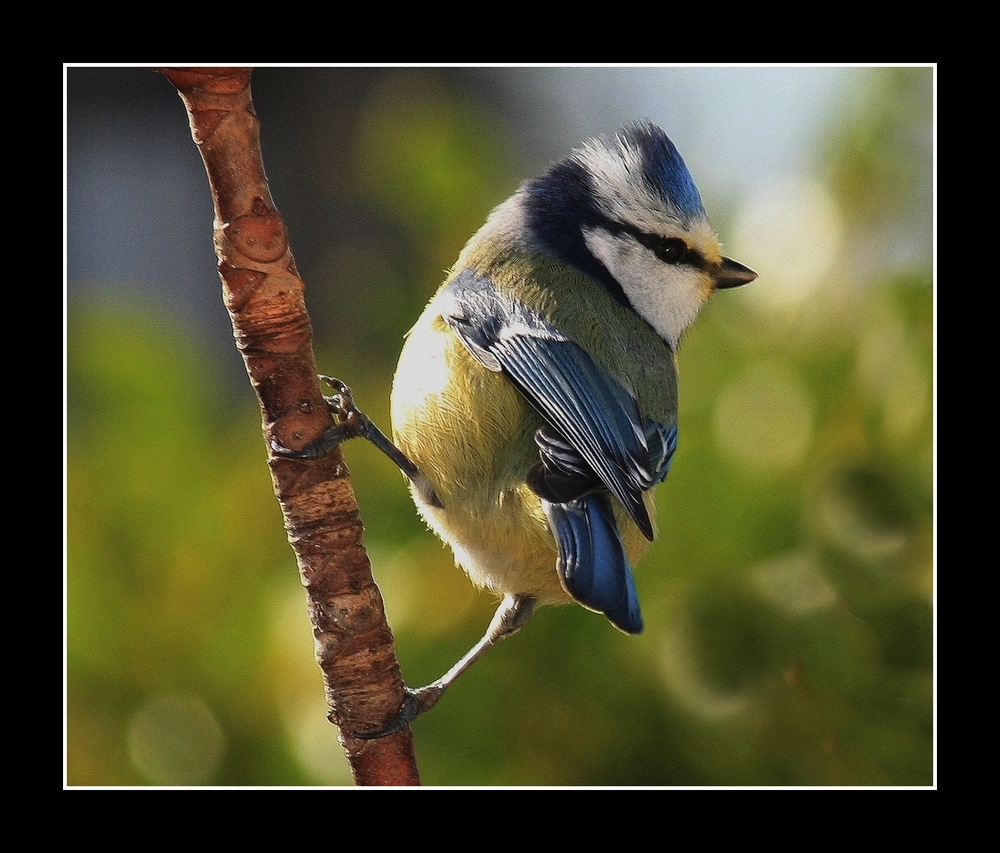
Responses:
[534,406]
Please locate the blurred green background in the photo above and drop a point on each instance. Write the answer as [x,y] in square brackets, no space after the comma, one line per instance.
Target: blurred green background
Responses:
[789,600]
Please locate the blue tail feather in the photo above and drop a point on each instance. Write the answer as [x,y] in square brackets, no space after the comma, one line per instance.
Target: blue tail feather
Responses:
[592,564]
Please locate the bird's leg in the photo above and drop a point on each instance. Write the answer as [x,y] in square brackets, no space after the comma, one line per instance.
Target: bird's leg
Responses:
[351,422]
[513,612]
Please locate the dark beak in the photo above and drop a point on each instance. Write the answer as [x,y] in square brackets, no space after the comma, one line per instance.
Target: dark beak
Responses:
[732,274]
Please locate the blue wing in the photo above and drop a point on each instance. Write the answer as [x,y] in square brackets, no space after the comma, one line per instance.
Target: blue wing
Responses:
[595,415]
[596,440]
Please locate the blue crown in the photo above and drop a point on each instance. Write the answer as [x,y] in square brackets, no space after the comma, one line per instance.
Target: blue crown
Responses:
[663,168]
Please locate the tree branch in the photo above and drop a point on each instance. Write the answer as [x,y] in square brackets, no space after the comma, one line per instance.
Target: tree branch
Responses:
[265,297]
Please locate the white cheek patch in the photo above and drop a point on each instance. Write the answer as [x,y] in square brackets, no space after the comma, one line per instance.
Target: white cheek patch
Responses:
[667,296]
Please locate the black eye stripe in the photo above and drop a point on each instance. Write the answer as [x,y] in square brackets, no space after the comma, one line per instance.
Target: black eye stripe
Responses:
[669,250]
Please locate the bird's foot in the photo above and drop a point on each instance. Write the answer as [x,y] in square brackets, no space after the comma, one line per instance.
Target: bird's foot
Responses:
[415,703]
[350,422]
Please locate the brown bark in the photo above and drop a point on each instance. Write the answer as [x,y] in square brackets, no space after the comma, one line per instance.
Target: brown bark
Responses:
[265,297]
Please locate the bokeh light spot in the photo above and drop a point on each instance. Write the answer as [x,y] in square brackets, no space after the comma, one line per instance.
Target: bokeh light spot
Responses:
[893,379]
[858,510]
[682,674]
[764,418]
[175,739]
[793,581]
[793,232]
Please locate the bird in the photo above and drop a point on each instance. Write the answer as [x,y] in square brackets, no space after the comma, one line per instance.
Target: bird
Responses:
[534,404]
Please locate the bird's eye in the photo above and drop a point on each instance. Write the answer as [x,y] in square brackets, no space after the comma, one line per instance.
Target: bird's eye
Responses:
[670,250]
